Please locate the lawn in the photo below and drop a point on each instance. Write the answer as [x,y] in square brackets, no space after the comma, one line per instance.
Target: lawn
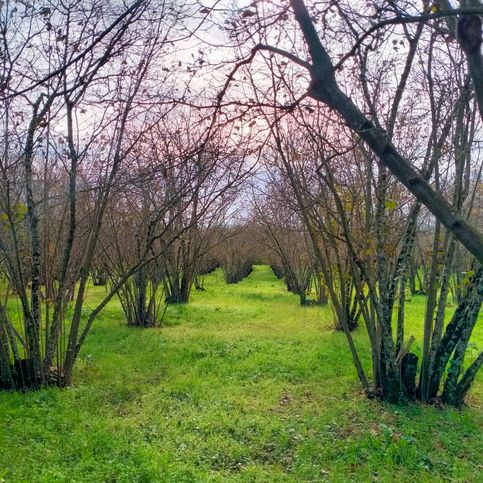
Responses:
[240,385]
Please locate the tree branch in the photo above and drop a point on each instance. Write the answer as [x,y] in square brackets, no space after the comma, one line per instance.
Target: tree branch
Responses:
[324,88]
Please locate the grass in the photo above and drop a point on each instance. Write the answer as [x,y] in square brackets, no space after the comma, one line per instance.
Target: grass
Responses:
[241,385]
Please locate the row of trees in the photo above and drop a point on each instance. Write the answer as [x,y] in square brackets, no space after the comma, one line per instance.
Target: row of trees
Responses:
[343,165]
[101,173]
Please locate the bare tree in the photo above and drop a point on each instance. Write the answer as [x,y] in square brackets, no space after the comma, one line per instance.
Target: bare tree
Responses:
[286,242]
[53,136]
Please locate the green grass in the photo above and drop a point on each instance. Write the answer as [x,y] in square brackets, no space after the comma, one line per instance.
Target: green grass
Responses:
[242,384]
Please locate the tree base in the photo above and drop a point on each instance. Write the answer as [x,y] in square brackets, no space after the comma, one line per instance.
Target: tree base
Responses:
[23,379]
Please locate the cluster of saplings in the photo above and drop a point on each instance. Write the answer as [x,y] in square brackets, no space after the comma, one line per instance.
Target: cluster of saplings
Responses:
[309,286]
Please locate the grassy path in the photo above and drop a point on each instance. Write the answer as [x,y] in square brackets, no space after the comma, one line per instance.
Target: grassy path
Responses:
[240,385]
